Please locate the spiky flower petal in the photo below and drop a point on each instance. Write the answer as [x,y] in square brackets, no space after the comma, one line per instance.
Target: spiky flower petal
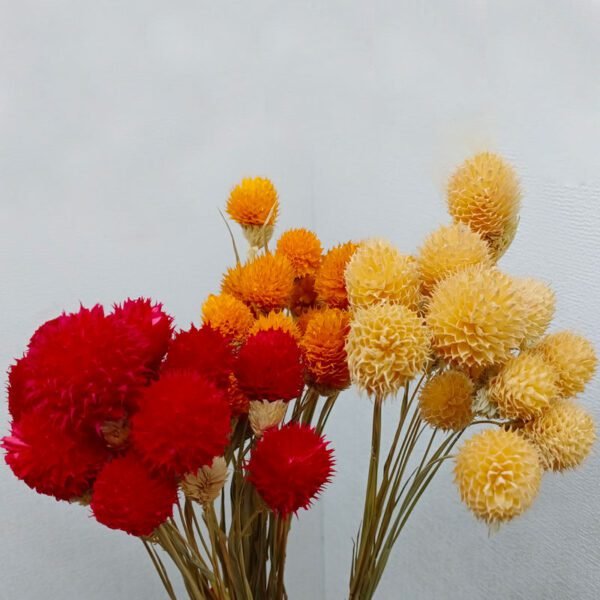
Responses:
[303,249]
[205,485]
[228,315]
[330,282]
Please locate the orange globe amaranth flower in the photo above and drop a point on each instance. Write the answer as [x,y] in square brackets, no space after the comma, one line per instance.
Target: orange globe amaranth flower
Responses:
[303,249]
[228,315]
[276,320]
[231,282]
[304,296]
[305,318]
[253,202]
[498,473]
[330,282]
[324,352]
[238,401]
[267,282]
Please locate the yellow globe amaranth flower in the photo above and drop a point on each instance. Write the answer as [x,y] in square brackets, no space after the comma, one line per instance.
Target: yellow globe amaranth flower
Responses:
[484,194]
[498,474]
[388,345]
[564,435]
[524,388]
[446,401]
[276,320]
[540,303]
[228,315]
[377,272]
[450,249]
[330,282]
[476,318]
[303,249]
[206,484]
[573,357]
[266,283]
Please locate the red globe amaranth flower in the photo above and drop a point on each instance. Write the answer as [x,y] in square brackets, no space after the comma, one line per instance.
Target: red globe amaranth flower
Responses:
[269,366]
[17,399]
[238,401]
[289,467]
[204,351]
[151,323]
[129,497]
[82,368]
[52,461]
[182,424]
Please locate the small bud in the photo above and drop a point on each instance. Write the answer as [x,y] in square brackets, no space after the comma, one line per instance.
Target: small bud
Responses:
[206,484]
[264,415]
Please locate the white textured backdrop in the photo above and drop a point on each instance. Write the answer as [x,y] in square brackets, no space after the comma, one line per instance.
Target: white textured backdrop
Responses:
[122,127]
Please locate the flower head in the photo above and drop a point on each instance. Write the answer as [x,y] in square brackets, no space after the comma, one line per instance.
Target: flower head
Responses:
[324,351]
[269,366]
[276,320]
[231,283]
[524,387]
[238,401]
[540,303]
[498,474]
[476,317]
[289,467]
[264,414]
[304,296]
[450,249]
[303,249]
[228,315]
[446,401]
[183,422]
[53,461]
[127,496]
[377,272]
[387,346]
[306,317]
[205,485]
[573,357]
[330,282]
[564,435]
[253,202]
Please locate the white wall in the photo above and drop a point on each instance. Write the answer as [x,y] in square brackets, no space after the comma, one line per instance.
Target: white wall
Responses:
[122,127]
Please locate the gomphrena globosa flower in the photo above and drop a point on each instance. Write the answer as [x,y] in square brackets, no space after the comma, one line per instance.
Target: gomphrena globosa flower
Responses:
[205,485]
[498,473]
[264,414]
[540,303]
[228,315]
[330,282]
[276,320]
[378,272]
[303,249]
[324,349]
[573,357]
[388,345]
[564,435]
[476,317]
[231,283]
[484,194]
[524,387]
[447,250]
[446,399]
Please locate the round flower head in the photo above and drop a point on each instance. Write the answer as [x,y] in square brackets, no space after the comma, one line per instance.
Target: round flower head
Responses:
[330,282]
[573,357]
[17,396]
[83,369]
[387,346]
[264,414]
[306,317]
[276,320]
[151,323]
[206,484]
[269,366]
[498,474]
[476,318]
[183,422]
[289,467]
[53,461]
[303,249]
[540,304]
[128,497]
[231,283]
[484,194]
[450,249]
[304,296]
[524,388]
[228,315]
[324,352]
[267,282]
[446,401]
[204,351]
[564,435]
[377,272]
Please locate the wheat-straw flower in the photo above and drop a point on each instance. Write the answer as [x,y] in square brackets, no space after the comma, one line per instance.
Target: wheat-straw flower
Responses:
[446,400]
[330,283]
[303,249]
[476,317]
[388,345]
[564,435]
[276,319]
[447,250]
[540,303]
[498,474]
[377,272]
[264,414]
[228,315]
[573,357]
[206,484]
